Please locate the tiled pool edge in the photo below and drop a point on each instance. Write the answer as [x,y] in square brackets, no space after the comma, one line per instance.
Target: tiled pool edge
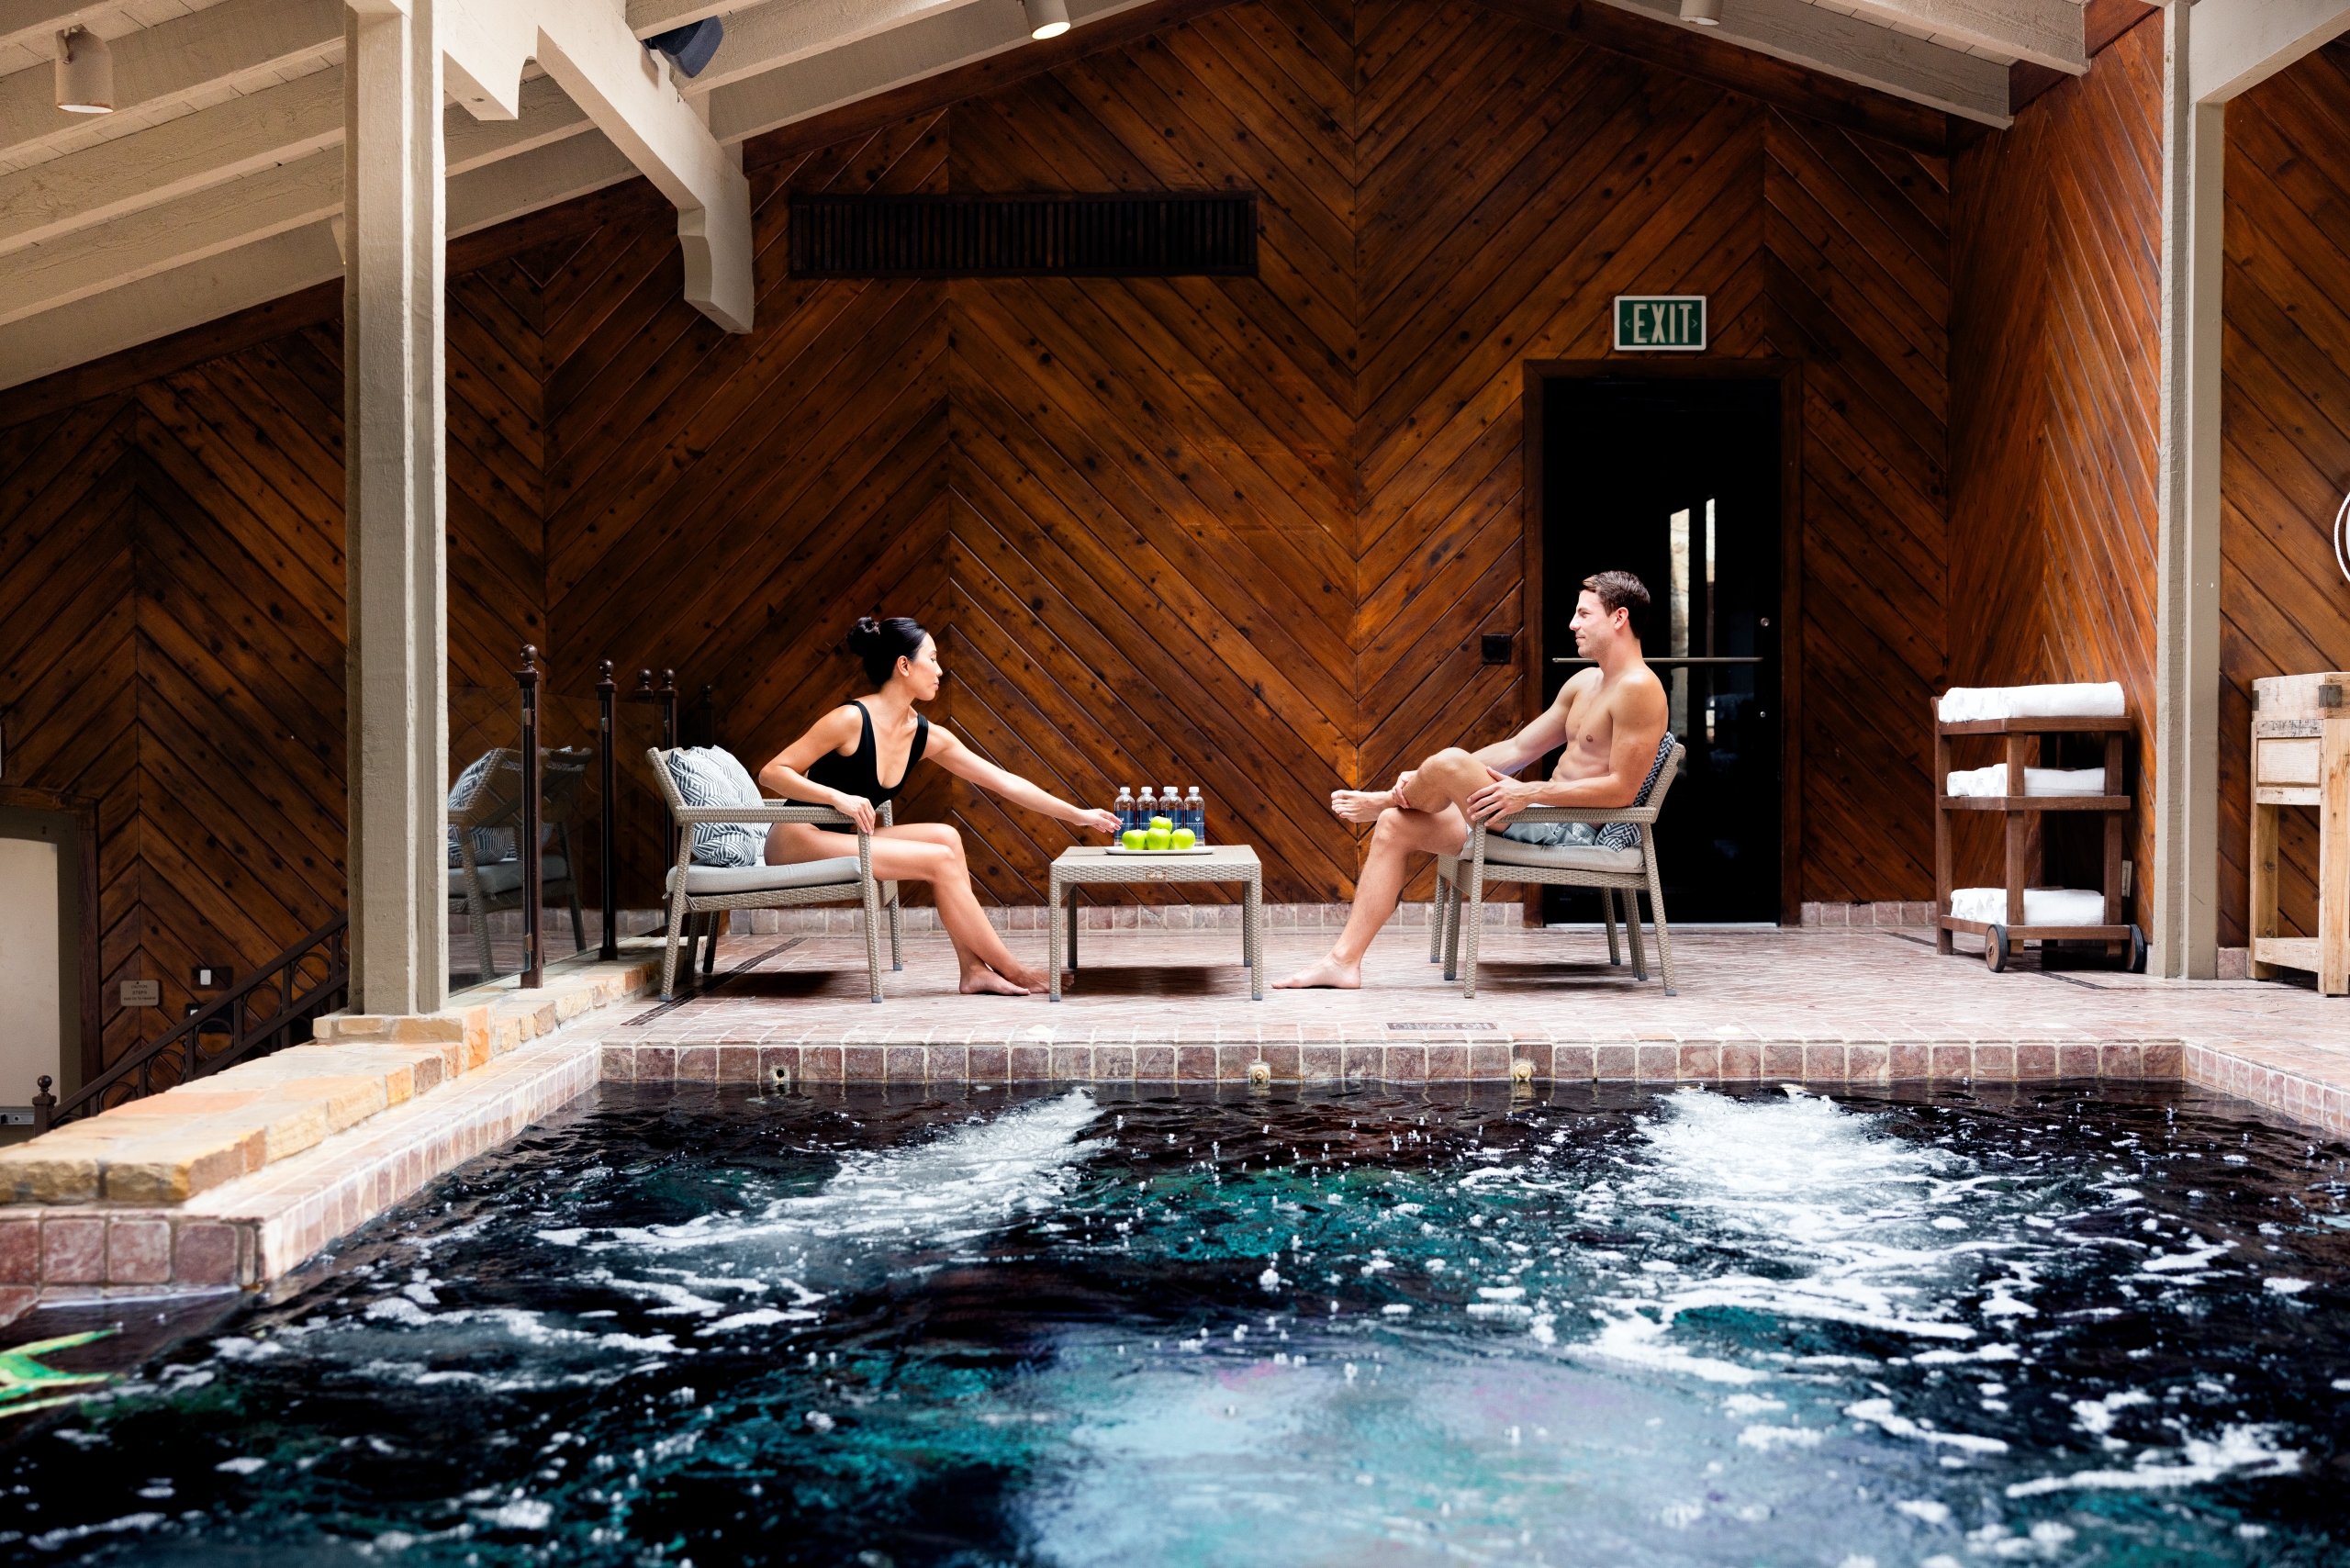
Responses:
[258,1229]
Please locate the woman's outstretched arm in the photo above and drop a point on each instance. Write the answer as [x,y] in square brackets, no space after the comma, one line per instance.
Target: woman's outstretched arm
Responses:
[788,774]
[949,752]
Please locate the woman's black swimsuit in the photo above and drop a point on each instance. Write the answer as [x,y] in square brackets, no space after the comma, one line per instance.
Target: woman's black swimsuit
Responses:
[860,773]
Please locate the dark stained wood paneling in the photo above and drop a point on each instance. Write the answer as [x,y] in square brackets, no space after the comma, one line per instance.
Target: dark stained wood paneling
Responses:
[2055,335]
[2284,423]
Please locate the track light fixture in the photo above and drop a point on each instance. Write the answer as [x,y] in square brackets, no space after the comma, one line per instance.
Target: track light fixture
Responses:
[691,46]
[1046,18]
[84,72]
[1705,13]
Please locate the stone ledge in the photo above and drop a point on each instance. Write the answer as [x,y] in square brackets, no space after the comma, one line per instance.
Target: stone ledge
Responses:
[170,1148]
[1465,1059]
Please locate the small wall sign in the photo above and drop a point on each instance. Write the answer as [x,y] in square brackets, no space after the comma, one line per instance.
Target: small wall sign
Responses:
[1666,322]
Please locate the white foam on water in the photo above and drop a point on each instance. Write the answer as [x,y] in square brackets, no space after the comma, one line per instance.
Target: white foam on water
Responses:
[1849,1214]
[1881,1412]
[2240,1451]
[966,1183]
[1925,1509]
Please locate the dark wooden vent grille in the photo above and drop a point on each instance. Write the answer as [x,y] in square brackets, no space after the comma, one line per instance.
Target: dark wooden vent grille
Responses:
[1023,236]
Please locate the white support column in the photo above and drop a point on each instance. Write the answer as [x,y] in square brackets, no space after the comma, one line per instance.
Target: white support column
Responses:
[395,497]
[2187,645]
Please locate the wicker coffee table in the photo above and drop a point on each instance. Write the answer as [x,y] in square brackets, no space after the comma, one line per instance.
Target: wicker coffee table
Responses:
[1222,863]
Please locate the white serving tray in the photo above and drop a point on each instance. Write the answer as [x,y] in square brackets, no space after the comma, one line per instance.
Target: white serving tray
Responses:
[1195,849]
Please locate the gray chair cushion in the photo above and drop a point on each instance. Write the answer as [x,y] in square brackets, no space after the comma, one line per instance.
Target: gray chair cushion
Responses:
[713,882]
[1501,851]
[490,843]
[709,775]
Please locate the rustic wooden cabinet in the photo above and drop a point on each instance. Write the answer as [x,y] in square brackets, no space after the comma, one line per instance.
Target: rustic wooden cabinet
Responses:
[2300,756]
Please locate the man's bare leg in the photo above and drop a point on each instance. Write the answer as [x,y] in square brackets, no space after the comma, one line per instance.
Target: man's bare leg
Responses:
[1430,821]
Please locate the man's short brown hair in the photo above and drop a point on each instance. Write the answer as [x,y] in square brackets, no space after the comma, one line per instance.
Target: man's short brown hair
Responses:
[1621,590]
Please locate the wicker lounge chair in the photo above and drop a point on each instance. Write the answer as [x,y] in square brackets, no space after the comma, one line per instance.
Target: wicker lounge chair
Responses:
[1616,873]
[705,890]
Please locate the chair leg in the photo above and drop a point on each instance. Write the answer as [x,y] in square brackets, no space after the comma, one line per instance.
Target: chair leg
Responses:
[1632,926]
[578,926]
[1451,922]
[1474,915]
[677,926]
[1663,940]
[710,943]
[897,953]
[1607,917]
[1436,916]
[873,939]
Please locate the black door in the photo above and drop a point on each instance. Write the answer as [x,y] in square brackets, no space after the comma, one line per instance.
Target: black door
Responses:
[1677,480]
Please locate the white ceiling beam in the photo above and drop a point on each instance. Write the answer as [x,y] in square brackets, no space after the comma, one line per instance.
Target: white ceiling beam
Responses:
[485,197]
[161,64]
[168,302]
[2236,45]
[207,148]
[937,40]
[2046,32]
[240,137]
[186,228]
[626,90]
[1857,51]
[782,32]
[646,17]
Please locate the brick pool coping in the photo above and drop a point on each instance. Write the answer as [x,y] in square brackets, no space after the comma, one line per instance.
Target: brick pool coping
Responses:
[251,1229]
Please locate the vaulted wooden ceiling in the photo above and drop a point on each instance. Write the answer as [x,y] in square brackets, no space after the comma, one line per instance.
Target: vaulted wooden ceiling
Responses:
[217,183]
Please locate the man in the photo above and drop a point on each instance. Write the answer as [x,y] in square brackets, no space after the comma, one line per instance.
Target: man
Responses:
[1611,721]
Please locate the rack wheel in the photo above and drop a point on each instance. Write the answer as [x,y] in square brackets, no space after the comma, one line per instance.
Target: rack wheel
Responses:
[1995,950]
[2136,964]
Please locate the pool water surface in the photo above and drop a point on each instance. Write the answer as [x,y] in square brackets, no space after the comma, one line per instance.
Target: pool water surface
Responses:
[1071,1328]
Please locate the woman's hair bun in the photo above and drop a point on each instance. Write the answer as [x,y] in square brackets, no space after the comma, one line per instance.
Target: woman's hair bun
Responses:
[879,644]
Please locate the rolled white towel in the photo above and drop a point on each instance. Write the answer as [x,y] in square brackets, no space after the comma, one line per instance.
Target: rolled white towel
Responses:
[2079,700]
[1993,780]
[2042,906]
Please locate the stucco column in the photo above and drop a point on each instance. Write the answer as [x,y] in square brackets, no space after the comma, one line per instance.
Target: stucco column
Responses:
[394,495]
[2185,771]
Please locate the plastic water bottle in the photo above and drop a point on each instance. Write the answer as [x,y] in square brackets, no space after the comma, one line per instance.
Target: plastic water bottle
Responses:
[1124,808]
[1145,807]
[1195,815]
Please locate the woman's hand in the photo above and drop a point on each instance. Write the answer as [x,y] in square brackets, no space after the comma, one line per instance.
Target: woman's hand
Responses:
[1099,821]
[860,810]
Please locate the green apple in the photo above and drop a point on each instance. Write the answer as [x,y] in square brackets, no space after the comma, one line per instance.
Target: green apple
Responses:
[1167,822]
[1182,839]
[1133,838]
[1159,838]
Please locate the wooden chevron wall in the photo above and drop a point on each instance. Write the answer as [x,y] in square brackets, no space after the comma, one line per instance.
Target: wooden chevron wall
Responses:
[2285,422]
[1244,533]
[2057,334]
[1237,532]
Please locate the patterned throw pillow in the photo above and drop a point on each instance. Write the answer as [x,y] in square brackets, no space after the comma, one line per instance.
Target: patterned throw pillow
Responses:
[709,775]
[492,844]
[1627,835]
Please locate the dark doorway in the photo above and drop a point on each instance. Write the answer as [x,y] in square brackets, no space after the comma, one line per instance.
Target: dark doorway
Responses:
[1679,477]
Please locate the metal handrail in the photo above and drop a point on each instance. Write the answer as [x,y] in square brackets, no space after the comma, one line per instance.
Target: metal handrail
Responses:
[183,1044]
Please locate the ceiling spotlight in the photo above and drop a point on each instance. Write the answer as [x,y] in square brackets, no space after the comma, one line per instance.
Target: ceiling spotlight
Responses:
[691,46]
[84,72]
[1705,13]
[1046,18]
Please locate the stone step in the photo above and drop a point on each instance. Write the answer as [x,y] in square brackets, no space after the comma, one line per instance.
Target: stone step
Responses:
[166,1148]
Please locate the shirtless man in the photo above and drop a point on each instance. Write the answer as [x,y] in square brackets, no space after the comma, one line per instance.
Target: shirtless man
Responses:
[1610,720]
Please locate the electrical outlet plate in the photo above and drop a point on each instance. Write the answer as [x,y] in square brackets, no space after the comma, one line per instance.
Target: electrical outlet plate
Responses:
[1498,648]
[212,976]
[142,994]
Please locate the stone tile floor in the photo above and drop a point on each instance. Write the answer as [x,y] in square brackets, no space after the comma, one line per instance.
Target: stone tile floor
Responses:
[1782,985]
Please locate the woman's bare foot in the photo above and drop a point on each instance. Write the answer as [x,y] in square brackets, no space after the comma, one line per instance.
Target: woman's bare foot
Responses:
[1361,805]
[1329,974]
[979,980]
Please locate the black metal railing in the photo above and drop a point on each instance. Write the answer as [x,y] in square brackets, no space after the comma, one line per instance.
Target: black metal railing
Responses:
[272,1007]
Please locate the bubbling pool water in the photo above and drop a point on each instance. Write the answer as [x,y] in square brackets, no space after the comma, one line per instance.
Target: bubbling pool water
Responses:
[1685,1328]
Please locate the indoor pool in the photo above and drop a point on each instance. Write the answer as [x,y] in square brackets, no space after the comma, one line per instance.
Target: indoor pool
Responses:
[1077,1327]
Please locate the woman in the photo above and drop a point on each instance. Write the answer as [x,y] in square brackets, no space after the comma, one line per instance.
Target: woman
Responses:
[841,762]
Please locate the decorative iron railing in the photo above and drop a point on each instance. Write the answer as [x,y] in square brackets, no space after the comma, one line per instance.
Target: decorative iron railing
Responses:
[271,1008]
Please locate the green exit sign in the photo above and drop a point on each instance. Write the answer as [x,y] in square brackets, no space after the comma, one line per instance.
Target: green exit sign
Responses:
[1671,321]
